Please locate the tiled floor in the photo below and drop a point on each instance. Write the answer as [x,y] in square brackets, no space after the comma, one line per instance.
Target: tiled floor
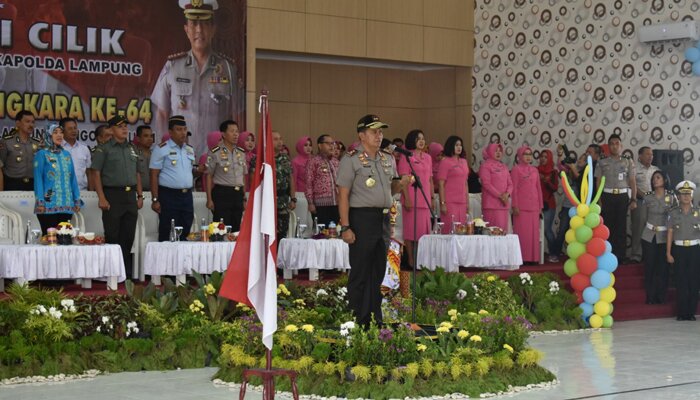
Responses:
[652,359]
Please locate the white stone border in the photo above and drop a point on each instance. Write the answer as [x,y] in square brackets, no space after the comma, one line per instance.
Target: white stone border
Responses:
[58,378]
[236,387]
[552,333]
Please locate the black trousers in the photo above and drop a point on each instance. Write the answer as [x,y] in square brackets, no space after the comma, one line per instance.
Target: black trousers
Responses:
[368,264]
[228,204]
[655,270]
[47,221]
[120,222]
[614,211]
[178,205]
[326,214]
[18,184]
[686,265]
[282,224]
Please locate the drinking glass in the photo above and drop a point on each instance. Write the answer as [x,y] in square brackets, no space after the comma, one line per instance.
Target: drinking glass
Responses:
[439,228]
[302,229]
[178,232]
[35,236]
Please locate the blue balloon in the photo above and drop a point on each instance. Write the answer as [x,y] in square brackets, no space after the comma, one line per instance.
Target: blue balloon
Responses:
[591,295]
[692,54]
[696,68]
[572,212]
[608,247]
[607,262]
[600,279]
[587,310]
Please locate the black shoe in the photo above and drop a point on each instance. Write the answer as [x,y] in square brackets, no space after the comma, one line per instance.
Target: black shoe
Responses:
[679,318]
[691,318]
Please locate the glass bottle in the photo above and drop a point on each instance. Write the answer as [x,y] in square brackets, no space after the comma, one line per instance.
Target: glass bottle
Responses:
[173,235]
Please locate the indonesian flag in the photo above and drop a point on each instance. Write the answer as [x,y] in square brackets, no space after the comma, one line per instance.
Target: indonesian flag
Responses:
[251,277]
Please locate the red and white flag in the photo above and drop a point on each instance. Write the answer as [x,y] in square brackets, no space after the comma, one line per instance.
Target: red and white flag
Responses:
[251,277]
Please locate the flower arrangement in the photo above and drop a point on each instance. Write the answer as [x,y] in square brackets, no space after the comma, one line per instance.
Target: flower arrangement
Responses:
[64,233]
[217,232]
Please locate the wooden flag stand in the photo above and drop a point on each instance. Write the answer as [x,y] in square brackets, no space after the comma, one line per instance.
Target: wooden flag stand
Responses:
[268,374]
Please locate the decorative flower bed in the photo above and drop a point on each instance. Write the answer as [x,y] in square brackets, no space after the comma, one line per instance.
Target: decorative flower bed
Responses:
[473,336]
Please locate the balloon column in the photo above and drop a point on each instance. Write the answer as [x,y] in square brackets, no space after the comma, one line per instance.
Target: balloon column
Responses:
[591,262]
[692,55]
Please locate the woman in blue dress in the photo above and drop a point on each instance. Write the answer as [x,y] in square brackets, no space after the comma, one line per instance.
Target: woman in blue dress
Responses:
[55,184]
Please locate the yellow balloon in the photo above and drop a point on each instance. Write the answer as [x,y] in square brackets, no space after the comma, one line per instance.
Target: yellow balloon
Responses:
[575,222]
[570,236]
[596,321]
[584,185]
[602,308]
[582,210]
[608,294]
[612,280]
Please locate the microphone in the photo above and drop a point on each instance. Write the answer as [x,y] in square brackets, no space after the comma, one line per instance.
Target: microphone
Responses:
[391,148]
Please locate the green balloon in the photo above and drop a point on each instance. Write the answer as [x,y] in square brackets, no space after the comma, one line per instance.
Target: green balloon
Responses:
[595,209]
[575,249]
[607,321]
[570,268]
[584,234]
[592,220]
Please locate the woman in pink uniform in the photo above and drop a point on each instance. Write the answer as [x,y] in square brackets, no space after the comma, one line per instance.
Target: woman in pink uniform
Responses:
[420,210]
[452,182]
[246,141]
[527,205]
[496,187]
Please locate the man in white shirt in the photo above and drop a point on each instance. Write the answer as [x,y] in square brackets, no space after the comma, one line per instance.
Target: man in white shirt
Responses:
[78,151]
[639,215]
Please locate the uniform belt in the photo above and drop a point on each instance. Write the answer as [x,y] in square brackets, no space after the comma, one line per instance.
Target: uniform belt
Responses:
[121,188]
[236,188]
[687,243]
[372,209]
[616,191]
[23,180]
[655,228]
[176,190]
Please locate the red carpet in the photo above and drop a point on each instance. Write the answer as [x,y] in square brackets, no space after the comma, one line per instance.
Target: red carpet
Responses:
[629,284]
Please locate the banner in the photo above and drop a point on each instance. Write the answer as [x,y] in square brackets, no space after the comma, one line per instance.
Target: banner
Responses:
[93,59]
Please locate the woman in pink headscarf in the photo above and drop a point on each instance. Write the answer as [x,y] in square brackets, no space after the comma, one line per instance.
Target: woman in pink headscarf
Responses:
[496,186]
[304,148]
[213,138]
[452,184]
[246,141]
[527,205]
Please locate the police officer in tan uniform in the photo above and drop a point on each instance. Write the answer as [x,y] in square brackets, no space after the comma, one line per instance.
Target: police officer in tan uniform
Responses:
[367,180]
[17,149]
[227,170]
[199,84]
[683,249]
[619,194]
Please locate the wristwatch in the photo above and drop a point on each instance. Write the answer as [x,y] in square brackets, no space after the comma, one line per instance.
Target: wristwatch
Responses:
[344,228]
[154,200]
[139,196]
[294,199]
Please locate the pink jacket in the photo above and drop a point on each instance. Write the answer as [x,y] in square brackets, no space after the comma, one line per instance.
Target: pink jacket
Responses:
[527,190]
[320,181]
[495,180]
[299,164]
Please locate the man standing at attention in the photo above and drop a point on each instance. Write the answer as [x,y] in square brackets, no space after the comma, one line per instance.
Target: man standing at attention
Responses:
[619,194]
[118,187]
[17,149]
[639,215]
[79,152]
[171,167]
[367,180]
[144,133]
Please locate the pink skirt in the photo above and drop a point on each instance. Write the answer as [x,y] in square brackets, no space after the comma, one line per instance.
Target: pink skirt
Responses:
[497,217]
[422,216]
[527,227]
[459,210]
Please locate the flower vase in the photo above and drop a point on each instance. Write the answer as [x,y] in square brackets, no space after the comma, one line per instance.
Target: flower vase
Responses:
[64,239]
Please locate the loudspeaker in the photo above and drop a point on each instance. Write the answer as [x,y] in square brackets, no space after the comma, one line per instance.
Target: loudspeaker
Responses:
[671,162]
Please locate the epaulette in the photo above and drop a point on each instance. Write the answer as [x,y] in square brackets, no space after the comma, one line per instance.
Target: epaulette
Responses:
[10,134]
[215,149]
[387,151]
[36,139]
[92,149]
[351,153]
[177,55]
[189,145]
[162,144]
[239,148]
[226,57]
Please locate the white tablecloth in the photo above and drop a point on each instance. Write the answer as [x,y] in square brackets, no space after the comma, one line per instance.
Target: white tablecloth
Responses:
[313,254]
[452,251]
[180,258]
[32,262]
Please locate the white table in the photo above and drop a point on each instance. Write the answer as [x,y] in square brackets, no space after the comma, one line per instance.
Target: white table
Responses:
[32,262]
[452,251]
[181,258]
[295,254]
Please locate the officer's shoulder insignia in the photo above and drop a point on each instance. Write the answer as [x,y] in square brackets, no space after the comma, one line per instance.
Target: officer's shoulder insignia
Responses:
[36,139]
[187,146]
[162,144]
[215,149]
[351,153]
[176,56]
[239,148]
[92,149]
[226,57]
[9,135]
[98,149]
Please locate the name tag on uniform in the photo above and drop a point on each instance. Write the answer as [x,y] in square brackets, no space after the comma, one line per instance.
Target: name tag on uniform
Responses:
[621,176]
[183,80]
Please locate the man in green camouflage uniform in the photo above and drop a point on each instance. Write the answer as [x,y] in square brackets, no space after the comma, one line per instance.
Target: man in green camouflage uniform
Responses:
[284,185]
